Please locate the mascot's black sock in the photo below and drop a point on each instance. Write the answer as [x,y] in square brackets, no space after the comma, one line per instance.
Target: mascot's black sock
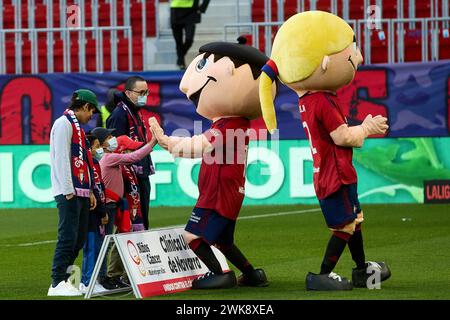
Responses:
[335,247]
[205,253]
[235,256]
[356,246]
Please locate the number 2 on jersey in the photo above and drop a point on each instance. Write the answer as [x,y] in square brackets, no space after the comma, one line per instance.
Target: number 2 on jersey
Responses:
[313,150]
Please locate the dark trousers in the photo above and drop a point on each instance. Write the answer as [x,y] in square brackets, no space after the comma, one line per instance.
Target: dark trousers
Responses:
[111,209]
[72,232]
[144,193]
[183,46]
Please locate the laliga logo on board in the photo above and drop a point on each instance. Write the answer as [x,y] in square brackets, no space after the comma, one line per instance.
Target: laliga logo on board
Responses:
[134,254]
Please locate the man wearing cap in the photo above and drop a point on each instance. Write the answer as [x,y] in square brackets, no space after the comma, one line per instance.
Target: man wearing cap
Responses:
[72,184]
[111,166]
[126,120]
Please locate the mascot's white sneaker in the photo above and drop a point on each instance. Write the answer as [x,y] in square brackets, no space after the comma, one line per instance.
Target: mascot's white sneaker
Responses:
[63,289]
[327,282]
[361,276]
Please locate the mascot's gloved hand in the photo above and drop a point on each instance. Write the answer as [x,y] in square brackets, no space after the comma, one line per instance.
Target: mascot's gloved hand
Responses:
[374,125]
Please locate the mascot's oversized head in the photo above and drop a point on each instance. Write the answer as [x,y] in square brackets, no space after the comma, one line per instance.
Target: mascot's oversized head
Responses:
[223,80]
[312,51]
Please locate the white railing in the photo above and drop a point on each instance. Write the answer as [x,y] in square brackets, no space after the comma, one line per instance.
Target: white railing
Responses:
[428,27]
[59,7]
[65,35]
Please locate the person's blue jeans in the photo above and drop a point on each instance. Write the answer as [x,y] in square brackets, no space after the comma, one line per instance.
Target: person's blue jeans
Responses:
[72,233]
[90,254]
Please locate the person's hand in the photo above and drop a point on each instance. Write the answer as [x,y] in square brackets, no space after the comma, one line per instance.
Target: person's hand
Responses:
[105,219]
[158,132]
[375,125]
[92,200]
[153,141]
[69,196]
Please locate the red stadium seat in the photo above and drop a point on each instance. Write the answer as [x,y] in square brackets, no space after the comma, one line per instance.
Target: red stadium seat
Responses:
[423,9]
[413,45]
[290,8]
[356,9]
[444,44]
[323,5]
[150,18]
[258,11]
[378,47]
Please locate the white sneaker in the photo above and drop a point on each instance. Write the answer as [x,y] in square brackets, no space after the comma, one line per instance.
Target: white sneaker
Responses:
[63,289]
[83,288]
[98,288]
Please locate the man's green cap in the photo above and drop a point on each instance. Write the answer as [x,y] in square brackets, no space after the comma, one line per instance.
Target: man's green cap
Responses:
[87,96]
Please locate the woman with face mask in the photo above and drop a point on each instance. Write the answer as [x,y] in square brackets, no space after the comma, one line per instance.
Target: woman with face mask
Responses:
[110,163]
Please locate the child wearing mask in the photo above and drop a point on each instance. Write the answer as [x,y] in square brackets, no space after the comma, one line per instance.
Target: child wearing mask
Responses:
[98,218]
[111,164]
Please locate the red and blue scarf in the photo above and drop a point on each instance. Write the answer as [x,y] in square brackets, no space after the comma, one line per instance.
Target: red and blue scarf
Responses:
[137,133]
[99,185]
[131,187]
[136,128]
[80,158]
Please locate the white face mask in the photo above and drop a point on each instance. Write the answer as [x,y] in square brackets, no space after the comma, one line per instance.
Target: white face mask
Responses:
[112,144]
[141,101]
[99,153]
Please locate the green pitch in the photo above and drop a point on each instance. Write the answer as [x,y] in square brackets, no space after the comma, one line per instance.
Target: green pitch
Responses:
[413,239]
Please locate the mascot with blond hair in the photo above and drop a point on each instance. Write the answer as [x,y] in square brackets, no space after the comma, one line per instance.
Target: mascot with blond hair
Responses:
[315,53]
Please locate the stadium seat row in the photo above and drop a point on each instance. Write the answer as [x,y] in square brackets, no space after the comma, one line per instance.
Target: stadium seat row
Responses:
[58,55]
[356,8]
[379,40]
[41,21]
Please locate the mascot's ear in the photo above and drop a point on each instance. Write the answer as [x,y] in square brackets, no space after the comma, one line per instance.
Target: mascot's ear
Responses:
[325,62]
[230,68]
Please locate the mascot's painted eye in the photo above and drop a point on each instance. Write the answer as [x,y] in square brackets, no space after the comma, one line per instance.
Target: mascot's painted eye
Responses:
[201,64]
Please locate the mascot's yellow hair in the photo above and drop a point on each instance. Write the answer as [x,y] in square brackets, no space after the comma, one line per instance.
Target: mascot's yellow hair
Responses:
[298,49]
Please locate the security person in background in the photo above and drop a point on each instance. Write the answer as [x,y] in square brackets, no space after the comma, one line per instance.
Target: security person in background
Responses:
[184,14]
[126,120]
[105,110]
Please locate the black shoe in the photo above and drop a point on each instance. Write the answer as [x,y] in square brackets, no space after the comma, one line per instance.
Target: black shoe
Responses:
[120,282]
[256,278]
[109,283]
[360,276]
[215,281]
[124,282]
[327,282]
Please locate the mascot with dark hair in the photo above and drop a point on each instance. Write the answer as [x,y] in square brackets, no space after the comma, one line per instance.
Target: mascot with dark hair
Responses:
[222,82]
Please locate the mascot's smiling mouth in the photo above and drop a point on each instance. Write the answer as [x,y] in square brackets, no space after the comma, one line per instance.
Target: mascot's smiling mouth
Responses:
[195,97]
[353,65]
